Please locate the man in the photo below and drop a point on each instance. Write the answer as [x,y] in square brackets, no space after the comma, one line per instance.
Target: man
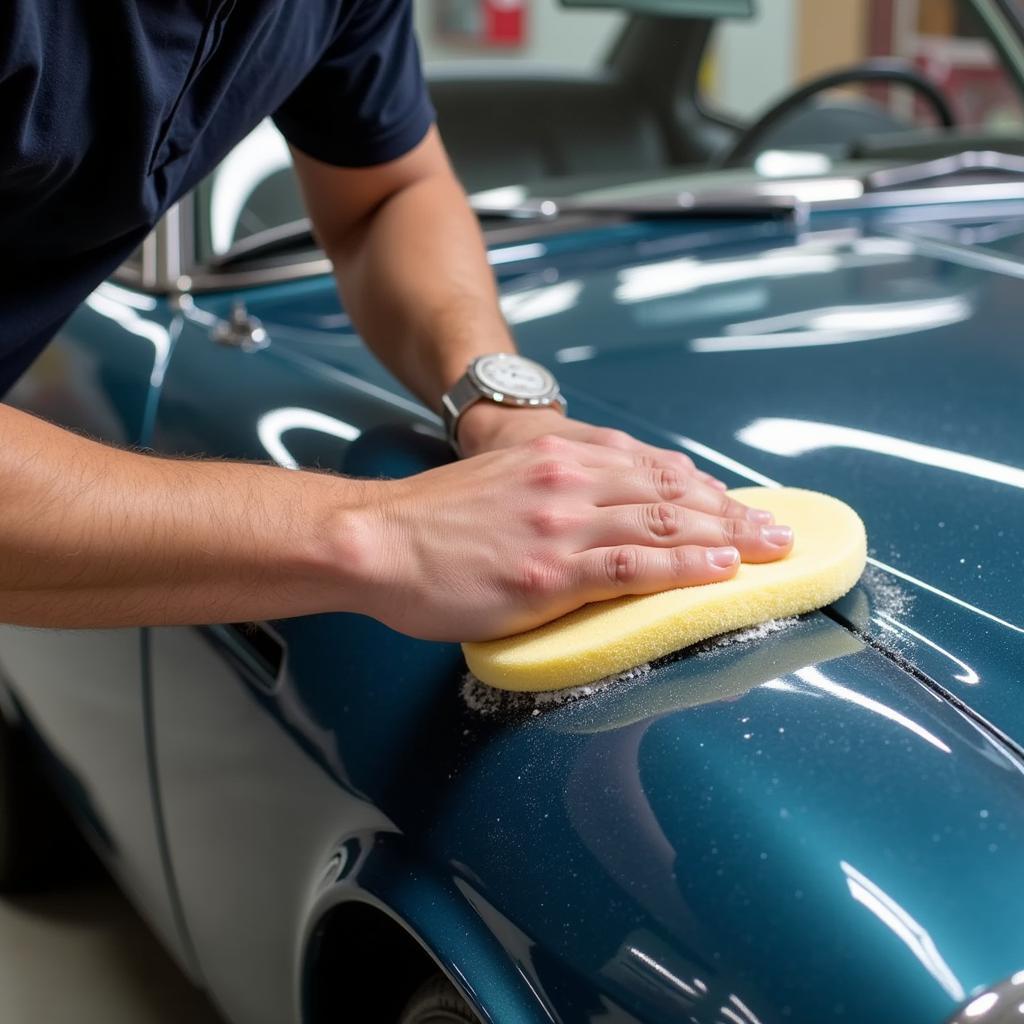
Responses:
[108,114]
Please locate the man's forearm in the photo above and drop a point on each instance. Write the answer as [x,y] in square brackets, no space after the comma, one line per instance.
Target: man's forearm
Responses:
[95,536]
[416,280]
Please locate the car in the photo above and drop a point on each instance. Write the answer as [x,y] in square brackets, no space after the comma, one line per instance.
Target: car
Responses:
[820,819]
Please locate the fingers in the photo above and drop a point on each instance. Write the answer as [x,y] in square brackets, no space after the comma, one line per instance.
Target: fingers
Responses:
[620,449]
[664,524]
[650,485]
[669,458]
[603,573]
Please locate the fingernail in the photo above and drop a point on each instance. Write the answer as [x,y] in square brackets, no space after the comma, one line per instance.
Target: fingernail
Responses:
[723,558]
[779,536]
[760,515]
[717,484]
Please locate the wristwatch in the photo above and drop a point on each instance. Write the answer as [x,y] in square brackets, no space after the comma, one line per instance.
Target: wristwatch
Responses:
[501,377]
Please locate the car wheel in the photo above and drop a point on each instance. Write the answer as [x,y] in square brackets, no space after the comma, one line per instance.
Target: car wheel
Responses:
[34,830]
[437,1002]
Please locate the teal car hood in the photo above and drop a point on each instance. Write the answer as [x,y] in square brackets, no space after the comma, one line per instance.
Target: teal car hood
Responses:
[867,359]
[819,821]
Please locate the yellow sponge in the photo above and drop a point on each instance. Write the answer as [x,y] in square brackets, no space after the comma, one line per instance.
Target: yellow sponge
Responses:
[601,639]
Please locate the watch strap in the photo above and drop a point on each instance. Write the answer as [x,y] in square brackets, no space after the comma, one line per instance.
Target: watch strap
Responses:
[455,402]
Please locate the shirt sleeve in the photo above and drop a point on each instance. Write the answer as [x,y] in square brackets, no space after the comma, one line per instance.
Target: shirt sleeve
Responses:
[365,102]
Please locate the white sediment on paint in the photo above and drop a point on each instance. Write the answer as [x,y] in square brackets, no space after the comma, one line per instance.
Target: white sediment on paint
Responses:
[758,632]
[487,700]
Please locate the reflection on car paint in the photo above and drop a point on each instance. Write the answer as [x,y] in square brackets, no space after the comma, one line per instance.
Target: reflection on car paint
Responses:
[274,424]
[535,303]
[942,593]
[514,253]
[968,675]
[905,927]
[123,307]
[837,325]
[688,273]
[798,437]
[814,677]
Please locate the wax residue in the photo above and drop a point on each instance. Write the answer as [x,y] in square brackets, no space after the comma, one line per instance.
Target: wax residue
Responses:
[487,700]
[759,632]
[886,594]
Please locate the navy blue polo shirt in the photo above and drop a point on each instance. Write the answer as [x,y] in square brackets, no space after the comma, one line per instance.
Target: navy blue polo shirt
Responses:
[110,112]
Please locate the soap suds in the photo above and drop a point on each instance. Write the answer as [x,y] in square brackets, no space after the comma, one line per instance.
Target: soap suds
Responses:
[887,596]
[759,632]
[488,700]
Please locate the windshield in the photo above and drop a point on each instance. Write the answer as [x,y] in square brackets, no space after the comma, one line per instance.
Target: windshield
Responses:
[554,100]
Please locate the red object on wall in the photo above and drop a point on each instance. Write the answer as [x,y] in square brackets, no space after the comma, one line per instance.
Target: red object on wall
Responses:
[483,23]
[504,22]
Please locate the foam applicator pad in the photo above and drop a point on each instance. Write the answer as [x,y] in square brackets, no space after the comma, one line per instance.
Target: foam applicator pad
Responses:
[598,640]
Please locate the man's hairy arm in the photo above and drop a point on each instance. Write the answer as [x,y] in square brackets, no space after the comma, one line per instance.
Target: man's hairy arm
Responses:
[94,536]
[410,263]
[551,514]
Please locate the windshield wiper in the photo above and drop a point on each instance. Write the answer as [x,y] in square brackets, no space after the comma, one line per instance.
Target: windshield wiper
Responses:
[742,205]
[970,160]
[298,234]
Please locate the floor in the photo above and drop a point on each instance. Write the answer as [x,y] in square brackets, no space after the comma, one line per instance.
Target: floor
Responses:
[84,957]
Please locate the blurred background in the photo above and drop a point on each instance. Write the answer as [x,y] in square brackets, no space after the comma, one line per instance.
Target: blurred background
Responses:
[560,95]
[749,63]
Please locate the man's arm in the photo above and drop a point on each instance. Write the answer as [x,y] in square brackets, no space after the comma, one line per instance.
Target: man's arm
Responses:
[410,263]
[91,535]
[524,532]
[95,536]
[412,271]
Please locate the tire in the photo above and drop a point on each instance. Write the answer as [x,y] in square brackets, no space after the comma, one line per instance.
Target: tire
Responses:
[36,837]
[437,1002]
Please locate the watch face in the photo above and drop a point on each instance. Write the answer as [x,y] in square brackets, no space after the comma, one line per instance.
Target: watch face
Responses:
[514,376]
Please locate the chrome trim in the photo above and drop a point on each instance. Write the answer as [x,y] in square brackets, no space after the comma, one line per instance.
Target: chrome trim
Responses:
[957,163]
[293,229]
[223,280]
[241,330]
[933,196]
[997,1004]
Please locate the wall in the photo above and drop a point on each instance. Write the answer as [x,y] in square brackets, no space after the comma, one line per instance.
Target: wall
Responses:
[754,59]
[566,38]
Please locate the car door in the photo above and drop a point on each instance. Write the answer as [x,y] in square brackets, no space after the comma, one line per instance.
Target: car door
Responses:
[84,692]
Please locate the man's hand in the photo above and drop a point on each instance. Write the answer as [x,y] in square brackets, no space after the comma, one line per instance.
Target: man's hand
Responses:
[486,427]
[515,537]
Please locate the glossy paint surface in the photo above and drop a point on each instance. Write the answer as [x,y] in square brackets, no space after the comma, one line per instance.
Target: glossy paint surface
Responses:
[820,823]
[79,689]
